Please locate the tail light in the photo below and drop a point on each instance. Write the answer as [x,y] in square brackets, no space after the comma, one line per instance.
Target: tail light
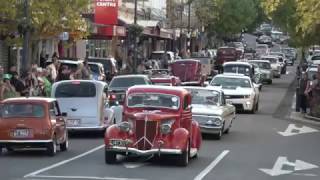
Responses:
[112,97]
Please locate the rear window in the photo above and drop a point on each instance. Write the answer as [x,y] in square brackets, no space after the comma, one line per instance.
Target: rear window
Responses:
[75,89]
[126,82]
[315,58]
[226,51]
[94,68]
[72,67]
[105,62]
[13,110]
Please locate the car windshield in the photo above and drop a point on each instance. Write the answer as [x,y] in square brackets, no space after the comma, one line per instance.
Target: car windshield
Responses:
[204,96]
[94,68]
[315,58]
[125,82]
[271,60]
[262,65]
[238,69]
[231,82]
[16,110]
[75,89]
[153,100]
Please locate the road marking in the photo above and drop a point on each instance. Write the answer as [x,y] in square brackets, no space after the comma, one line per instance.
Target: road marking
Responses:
[212,165]
[294,130]
[83,177]
[298,165]
[63,162]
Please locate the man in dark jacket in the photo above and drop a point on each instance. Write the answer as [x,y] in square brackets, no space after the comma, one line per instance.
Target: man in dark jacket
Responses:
[303,82]
[18,84]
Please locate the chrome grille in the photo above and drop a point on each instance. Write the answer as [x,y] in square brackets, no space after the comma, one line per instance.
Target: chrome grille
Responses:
[201,119]
[146,132]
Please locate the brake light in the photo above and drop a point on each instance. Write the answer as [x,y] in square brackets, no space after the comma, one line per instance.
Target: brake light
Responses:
[112,97]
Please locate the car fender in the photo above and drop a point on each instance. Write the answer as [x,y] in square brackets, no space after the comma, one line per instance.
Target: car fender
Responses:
[180,138]
[112,132]
[196,138]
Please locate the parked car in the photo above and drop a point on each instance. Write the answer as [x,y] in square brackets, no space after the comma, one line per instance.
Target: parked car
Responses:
[266,70]
[109,65]
[97,71]
[32,123]
[244,68]
[157,121]
[239,90]
[120,84]
[211,111]
[85,102]
[262,50]
[163,77]
[225,54]
[275,65]
[189,71]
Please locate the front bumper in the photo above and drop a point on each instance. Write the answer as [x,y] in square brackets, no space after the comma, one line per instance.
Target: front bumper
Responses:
[134,151]
[87,128]
[210,130]
[242,104]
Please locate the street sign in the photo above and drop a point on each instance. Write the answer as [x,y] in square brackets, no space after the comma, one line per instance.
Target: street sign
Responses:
[294,130]
[278,168]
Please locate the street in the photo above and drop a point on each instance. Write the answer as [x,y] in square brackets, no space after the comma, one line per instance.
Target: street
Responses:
[254,143]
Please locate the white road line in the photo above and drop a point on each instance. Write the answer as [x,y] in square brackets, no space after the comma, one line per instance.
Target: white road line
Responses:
[212,165]
[83,177]
[63,162]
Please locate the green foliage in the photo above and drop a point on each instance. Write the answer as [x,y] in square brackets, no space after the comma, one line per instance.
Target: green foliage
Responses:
[135,31]
[48,18]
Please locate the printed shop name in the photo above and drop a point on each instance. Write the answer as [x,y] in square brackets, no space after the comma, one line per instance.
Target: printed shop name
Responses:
[107,3]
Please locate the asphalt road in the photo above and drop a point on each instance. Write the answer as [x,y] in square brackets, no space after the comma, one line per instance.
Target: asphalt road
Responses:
[254,143]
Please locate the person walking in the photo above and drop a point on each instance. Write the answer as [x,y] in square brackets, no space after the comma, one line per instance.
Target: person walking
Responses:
[18,84]
[53,69]
[86,72]
[7,90]
[303,82]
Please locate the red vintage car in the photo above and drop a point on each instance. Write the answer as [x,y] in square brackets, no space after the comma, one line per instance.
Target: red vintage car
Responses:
[157,121]
[189,71]
[225,54]
[32,123]
[163,77]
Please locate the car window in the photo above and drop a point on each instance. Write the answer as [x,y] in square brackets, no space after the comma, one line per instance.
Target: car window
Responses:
[75,89]
[94,68]
[231,82]
[15,110]
[208,97]
[238,69]
[125,82]
[315,58]
[154,100]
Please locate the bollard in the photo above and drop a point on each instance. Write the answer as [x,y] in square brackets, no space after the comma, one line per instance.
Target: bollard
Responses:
[297,99]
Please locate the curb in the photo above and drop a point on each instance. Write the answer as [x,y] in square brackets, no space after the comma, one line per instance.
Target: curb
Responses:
[296,116]
[312,118]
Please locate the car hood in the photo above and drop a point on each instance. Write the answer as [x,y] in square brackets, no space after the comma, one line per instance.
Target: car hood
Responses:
[235,90]
[154,115]
[206,110]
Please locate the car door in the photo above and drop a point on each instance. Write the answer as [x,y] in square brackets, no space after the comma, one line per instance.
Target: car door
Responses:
[227,109]
[55,116]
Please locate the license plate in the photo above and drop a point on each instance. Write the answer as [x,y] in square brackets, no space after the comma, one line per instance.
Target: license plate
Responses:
[117,142]
[73,122]
[21,133]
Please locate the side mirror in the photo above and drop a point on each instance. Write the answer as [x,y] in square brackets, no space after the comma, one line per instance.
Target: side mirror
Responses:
[64,114]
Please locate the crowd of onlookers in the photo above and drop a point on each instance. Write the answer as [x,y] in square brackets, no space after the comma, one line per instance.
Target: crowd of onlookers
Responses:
[37,81]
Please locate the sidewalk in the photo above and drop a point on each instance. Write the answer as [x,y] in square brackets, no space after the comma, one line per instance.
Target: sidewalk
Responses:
[297,116]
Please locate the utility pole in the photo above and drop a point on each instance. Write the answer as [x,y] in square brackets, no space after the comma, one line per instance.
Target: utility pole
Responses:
[189,26]
[26,37]
[135,38]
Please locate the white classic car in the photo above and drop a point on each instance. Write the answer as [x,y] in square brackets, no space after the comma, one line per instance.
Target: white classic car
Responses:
[239,90]
[211,111]
[275,65]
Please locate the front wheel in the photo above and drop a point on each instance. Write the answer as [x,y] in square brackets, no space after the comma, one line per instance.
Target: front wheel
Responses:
[65,145]
[110,157]
[183,159]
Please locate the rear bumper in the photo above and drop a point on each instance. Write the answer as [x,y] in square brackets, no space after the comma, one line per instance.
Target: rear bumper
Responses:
[24,143]
[87,128]
[138,152]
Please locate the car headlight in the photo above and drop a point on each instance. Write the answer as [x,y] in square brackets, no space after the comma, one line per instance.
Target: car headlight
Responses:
[166,125]
[214,122]
[125,126]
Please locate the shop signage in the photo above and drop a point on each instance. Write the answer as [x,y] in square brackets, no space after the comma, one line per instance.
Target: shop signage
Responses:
[106,12]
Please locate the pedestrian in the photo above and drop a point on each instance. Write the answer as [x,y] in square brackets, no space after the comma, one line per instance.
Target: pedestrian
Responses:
[63,73]
[18,84]
[78,73]
[44,84]
[141,68]
[7,90]
[86,72]
[302,89]
[42,60]
[52,69]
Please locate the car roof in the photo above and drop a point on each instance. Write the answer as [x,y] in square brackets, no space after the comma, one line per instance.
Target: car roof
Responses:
[233,75]
[131,75]
[237,63]
[96,63]
[312,69]
[70,61]
[76,80]
[29,99]
[187,60]
[265,61]
[156,88]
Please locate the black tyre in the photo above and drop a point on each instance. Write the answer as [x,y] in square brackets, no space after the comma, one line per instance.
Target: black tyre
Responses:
[110,157]
[0,151]
[270,82]
[52,147]
[65,145]
[253,111]
[257,106]
[183,159]
[219,135]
